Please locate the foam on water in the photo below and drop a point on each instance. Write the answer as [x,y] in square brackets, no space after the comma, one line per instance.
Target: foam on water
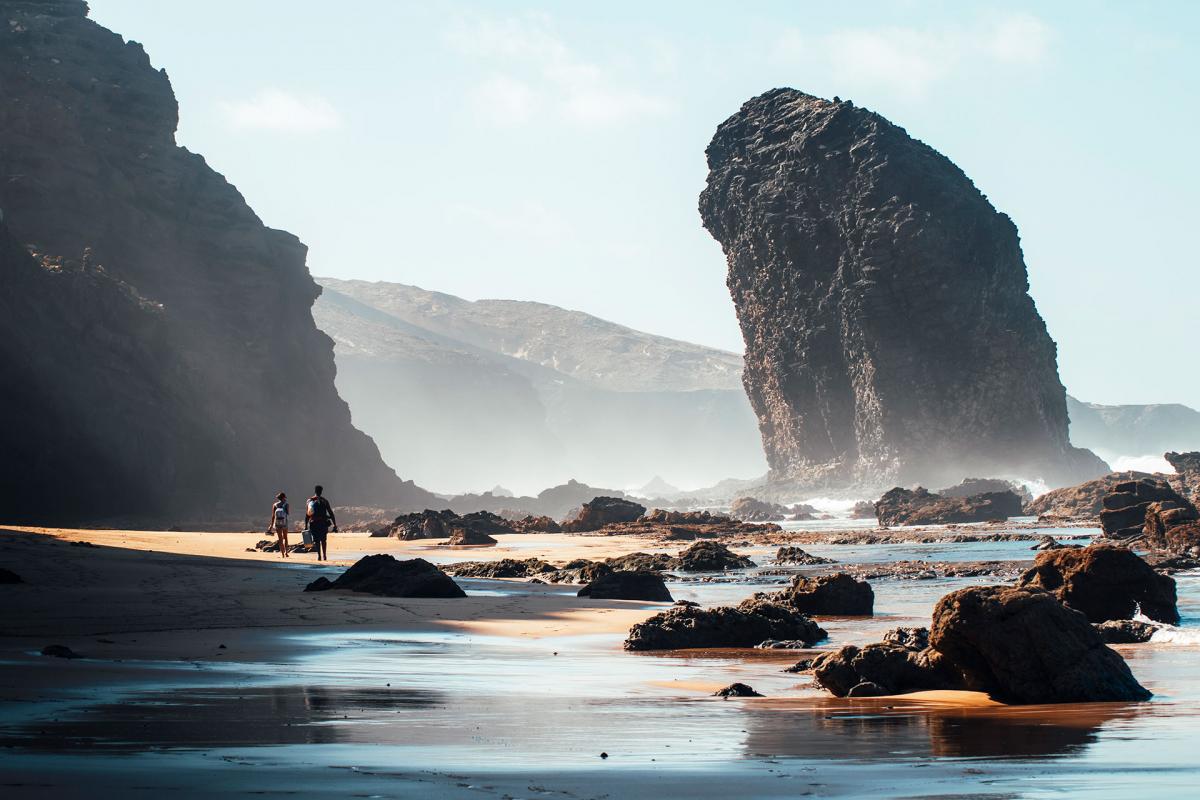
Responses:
[1168,634]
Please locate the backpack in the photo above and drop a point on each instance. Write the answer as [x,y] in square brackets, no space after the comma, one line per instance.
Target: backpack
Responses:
[281,513]
[318,509]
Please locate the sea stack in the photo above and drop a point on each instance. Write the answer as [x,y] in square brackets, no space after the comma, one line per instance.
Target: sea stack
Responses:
[890,335]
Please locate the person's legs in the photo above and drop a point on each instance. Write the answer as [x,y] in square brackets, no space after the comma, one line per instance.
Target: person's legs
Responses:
[283,542]
[319,533]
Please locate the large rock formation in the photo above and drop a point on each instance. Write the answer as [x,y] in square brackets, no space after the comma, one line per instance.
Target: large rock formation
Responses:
[921,507]
[749,623]
[1125,507]
[890,336]
[1104,583]
[160,355]
[1083,500]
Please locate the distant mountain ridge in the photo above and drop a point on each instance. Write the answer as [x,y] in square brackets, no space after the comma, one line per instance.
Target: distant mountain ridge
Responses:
[1133,430]
[466,394]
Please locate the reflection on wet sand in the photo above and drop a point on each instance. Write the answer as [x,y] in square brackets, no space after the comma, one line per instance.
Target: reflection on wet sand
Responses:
[893,727]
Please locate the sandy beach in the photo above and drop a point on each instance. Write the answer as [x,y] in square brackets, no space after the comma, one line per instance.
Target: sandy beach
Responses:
[202,659]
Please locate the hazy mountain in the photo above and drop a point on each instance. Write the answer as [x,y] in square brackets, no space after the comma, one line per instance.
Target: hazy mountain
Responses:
[467,394]
[1134,430]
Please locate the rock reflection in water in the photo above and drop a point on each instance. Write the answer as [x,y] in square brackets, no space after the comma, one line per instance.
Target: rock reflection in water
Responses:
[871,731]
[220,717]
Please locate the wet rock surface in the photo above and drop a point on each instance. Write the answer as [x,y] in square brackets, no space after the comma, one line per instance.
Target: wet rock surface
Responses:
[886,669]
[795,555]
[839,594]
[385,576]
[602,511]
[736,690]
[1125,631]
[912,638]
[890,336]
[622,585]
[1103,582]
[745,625]
[921,507]
[709,557]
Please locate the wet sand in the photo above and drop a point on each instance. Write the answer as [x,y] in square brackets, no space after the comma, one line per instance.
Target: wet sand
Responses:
[512,692]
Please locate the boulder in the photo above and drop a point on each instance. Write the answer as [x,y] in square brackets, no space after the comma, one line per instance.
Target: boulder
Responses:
[661,516]
[627,586]
[501,568]
[736,690]
[1103,582]
[794,555]
[532,524]
[463,535]
[892,668]
[60,651]
[863,509]
[1171,525]
[921,507]
[839,594]
[385,576]
[8,576]
[1125,631]
[745,625]
[1023,646]
[601,511]
[641,562]
[750,509]
[485,522]
[709,557]
[912,638]
[1124,512]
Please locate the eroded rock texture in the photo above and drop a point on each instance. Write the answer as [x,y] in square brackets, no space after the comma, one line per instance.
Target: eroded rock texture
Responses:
[890,336]
[159,349]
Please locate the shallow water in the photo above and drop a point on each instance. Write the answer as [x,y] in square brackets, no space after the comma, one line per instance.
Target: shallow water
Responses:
[450,714]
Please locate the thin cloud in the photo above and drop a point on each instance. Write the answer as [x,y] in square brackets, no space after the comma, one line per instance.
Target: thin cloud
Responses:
[282,111]
[913,61]
[553,78]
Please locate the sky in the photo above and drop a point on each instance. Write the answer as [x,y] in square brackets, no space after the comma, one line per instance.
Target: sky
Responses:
[555,151]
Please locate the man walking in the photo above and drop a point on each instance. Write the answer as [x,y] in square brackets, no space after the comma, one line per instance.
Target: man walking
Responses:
[320,521]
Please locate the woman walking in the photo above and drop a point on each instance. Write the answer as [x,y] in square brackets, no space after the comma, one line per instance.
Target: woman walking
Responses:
[279,522]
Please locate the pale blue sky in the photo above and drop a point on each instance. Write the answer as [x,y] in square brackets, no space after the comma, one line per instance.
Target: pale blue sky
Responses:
[554,151]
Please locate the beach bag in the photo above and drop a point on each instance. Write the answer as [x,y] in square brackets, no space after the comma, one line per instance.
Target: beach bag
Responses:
[306,536]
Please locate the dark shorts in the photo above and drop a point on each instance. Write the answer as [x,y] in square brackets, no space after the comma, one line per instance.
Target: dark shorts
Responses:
[319,532]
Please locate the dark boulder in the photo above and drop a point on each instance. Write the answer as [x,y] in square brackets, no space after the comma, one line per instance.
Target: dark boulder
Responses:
[485,522]
[8,576]
[60,651]
[794,555]
[1023,646]
[627,586]
[660,516]
[465,535]
[536,524]
[912,638]
[753,621]
[972,487]
[736,690]
[655,562]
[709,557]
[385,576]
[892,668]
[920,507]
[1125,631]
[501,568]
[840,594]
[1103,582]
[1124,512]
[601,511]
[321,584]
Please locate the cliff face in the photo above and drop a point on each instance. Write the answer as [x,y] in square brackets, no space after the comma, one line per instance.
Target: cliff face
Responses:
[186,374]
[890,336]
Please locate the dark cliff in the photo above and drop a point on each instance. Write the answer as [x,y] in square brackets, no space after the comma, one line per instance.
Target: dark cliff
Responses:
[890,336]
[160,350]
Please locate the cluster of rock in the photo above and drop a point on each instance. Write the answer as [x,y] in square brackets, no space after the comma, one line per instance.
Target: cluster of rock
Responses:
[751,509]
[919,506]
[890,336]
[1155,513]
[601,512]
[474,528]
[746,625]
[982,639]
[385,576]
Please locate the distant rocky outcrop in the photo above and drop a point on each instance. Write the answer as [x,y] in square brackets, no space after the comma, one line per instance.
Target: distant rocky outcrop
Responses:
[1187,470]
[751,509]
[795,555]
[1084,500]
[745,625]
[1103,582]
[601,511]
[971,487]
[467,536]
[160,354]
[709,557]
[385,576]
[921,507]
[890,335]
[430,524]
[1124,512]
